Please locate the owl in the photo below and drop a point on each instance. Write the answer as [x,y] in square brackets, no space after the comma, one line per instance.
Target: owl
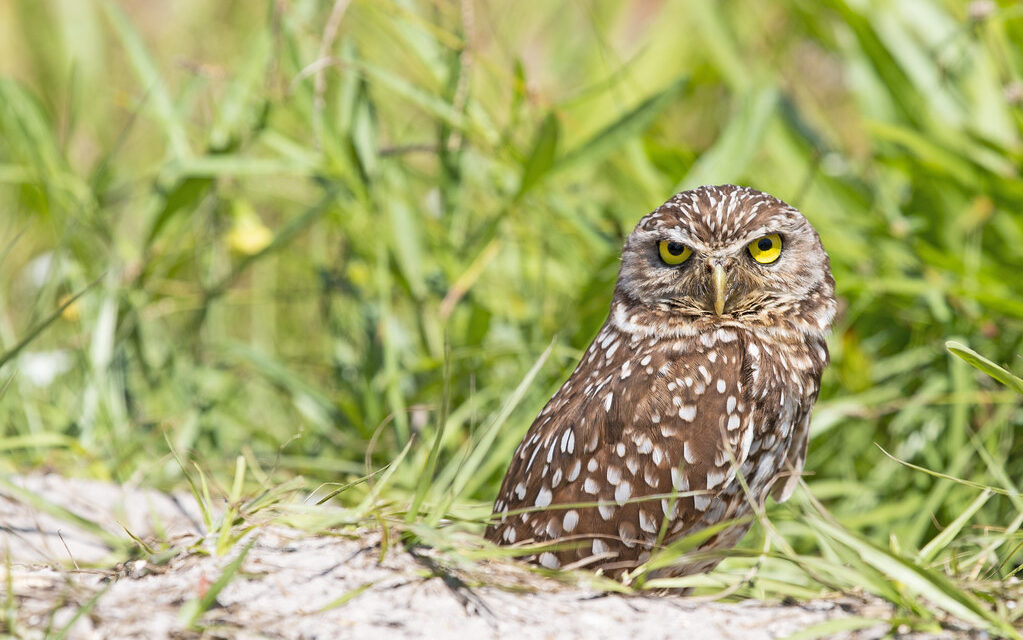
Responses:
[692,404]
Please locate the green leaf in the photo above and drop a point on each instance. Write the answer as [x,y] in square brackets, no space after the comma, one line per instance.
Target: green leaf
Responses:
[737,145]
[978,361]
[541,156]
[628,126]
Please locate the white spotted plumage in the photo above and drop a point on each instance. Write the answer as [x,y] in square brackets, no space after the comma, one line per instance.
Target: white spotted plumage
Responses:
[673,400]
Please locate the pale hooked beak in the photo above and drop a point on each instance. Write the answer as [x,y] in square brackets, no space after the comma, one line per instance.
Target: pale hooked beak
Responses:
[720,285]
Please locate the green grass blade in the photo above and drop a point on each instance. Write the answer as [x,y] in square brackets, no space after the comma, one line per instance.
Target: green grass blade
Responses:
[86,607]
[737,146]
[347,597]
[926,583]
[835,627]
[469,477]
[114,542]
[949,533]
[978,361]
[153,83]
[41,326]
[541,157]
[628,126]
[192,610]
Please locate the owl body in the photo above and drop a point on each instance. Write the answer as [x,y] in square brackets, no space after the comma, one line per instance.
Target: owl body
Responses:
[701,381]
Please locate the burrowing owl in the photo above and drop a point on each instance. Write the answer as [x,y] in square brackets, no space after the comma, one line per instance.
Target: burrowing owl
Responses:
[701,379]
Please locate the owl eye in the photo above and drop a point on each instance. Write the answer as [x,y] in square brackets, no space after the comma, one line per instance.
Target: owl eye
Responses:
[673,252]
[767,249]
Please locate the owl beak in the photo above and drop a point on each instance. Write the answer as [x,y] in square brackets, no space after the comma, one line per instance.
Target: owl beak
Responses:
[720,284]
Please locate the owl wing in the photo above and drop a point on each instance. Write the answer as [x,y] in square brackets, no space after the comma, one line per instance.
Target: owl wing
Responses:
[792,467]
[638,422]
[805,364]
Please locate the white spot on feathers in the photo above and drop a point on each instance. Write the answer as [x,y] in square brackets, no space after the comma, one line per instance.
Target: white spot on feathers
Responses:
[669,510]
[643,443]
[612,349]
[701,502]
[633,465]
[574,471]
[679,481]
[627,534]
[651,478]
[687,412]
[646,523]
[543,498]
[553,528]
[591,487]
[714,478]
[536,450]
[549,560]
[569,520]
[623,492]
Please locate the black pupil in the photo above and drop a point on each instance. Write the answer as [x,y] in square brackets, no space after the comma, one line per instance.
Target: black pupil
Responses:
[676,248]
[764,244]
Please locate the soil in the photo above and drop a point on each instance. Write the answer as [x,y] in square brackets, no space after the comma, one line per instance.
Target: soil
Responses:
[295,585]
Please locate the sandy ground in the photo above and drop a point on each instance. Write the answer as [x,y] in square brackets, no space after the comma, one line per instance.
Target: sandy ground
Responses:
[289,579]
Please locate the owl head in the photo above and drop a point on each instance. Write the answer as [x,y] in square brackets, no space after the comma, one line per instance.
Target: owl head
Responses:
[725,256]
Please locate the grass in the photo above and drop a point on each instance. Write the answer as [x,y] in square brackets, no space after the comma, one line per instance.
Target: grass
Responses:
[335,241]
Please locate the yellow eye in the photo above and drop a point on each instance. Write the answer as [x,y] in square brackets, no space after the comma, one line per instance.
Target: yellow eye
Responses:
[673,252]
[767,249]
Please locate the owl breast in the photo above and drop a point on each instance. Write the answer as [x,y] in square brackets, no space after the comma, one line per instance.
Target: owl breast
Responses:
[643,443]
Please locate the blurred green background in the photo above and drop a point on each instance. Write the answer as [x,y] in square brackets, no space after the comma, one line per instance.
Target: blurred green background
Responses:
[311,232]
